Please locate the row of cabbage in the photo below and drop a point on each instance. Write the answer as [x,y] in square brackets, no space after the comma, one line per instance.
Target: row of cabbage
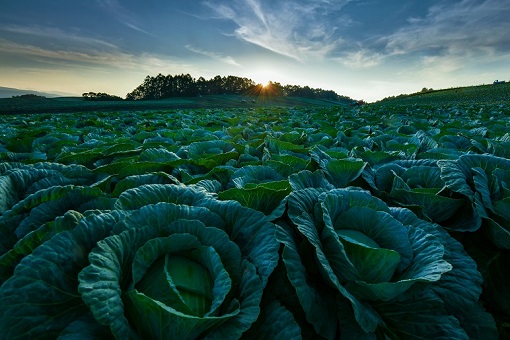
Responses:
[320,222]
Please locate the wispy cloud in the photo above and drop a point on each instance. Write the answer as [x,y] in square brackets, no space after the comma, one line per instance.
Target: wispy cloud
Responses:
[295,29]
[218,56]
[114,8]
[465,28]
[361,59]
[450,36]
[69,50]
[58,36]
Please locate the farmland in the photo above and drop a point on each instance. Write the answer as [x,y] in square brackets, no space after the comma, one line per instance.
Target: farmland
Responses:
[299,218]
[491,94]
[22,105]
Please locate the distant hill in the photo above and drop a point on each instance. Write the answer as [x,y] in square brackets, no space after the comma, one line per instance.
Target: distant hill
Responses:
[493,93]
[8,92]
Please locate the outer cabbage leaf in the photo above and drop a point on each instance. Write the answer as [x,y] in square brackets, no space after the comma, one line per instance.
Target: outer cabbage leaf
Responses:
[19,182]
[306,179]
[211,153]
[264,198]
[461,287]
[485,181]
[42,207]
[254,175]
[377,263]
[416,185]
[136,181]
[45,205]
[274,322]
[45,283]
[153,193]
[316,297]
[32,240]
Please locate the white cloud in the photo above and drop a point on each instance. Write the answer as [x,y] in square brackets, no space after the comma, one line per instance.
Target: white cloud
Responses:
[55,48]
[449,41]
[218,56]
[60,59]
[294,29]
[362,58]
[465,28]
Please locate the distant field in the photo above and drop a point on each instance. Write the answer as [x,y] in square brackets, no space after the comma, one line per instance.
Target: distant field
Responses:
[493,94]
[77,104]
[461,95]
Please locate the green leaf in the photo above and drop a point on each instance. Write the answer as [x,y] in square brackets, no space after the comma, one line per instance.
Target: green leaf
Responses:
[274,322]
[267,200]
[160,321]
[252,231]
[418,317]
[85,327]
[314,296]
[186,283]
[32,240]
[212,161]
[45,205]
[498,233]
[340,172]
[306,179]
[189,271]
[141,168]
[457,174]
[327,249]
[253,174]
[373,265]
[459,288]
[433,206]
[154,193]
[380,226]
[45,283]
[139,180]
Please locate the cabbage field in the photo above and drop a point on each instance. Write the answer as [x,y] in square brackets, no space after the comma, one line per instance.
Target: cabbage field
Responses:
[264,222]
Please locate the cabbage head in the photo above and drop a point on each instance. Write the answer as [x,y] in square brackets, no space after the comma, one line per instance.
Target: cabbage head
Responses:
[169,262]
[417,186]
[362,270]
[485,181]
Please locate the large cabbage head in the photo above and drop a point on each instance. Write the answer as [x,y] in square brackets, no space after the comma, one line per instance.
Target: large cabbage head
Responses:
[361,269]
[170,262]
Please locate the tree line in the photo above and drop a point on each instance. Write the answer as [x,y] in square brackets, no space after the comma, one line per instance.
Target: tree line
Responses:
[100,96]
[184,85]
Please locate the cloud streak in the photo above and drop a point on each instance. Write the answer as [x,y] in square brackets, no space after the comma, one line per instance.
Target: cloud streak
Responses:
[73,51]
[122,15]
[449,36]
[224,59]
[294,29]
[59,36]
[467,29]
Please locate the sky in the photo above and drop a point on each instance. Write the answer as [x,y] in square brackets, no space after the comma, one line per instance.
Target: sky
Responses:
[362,49]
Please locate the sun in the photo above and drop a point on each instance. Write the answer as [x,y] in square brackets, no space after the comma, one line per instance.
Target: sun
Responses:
[264,77]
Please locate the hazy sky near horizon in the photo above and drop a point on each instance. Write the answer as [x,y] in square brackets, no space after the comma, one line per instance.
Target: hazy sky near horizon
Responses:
[363,49]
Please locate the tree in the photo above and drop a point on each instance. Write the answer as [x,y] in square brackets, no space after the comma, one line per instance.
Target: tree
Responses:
[184,85]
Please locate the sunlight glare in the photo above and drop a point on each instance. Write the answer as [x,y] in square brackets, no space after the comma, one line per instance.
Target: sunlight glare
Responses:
[264,77]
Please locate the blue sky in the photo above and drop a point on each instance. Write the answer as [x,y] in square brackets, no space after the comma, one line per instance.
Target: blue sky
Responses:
[363,49]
